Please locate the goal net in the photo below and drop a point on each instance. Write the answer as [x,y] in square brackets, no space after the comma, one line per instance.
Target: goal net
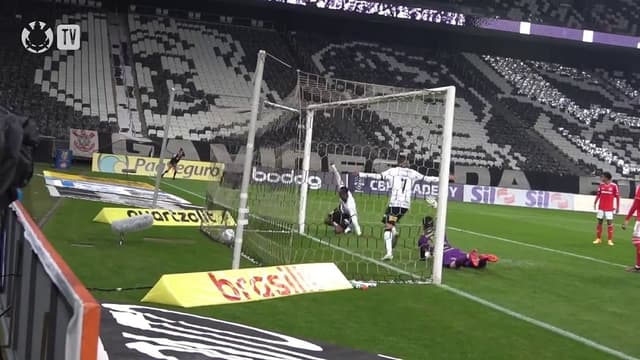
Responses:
[363,129]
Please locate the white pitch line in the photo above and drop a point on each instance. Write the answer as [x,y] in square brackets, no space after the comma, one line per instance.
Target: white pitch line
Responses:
[469,296]
[388,357]
[561,252]
[541,324]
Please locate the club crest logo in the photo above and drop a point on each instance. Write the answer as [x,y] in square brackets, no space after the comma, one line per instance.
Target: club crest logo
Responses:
[37,37]
[84,140]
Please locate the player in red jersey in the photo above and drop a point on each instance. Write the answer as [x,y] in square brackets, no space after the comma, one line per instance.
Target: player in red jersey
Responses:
[607,193]
[635,238]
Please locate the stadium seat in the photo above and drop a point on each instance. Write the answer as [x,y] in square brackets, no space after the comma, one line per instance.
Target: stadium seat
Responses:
[509,113]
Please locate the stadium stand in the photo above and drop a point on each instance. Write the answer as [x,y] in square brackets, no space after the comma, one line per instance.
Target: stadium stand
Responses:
[82,79]
[410,68]
[208,66]
[581,126]
[510,113]
[613,16]
[61,90]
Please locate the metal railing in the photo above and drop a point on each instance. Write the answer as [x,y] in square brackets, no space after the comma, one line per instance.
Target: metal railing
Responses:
[45,312]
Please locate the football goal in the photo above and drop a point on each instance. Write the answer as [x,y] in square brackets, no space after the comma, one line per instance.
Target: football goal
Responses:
[282,197]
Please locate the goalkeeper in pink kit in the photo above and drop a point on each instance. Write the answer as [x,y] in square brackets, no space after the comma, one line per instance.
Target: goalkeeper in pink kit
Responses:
[452,257]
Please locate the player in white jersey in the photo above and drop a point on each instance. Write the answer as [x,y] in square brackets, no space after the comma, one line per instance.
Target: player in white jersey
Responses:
[401,180]
[345,217]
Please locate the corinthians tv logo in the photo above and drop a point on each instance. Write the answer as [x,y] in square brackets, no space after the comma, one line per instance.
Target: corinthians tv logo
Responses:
[37,37]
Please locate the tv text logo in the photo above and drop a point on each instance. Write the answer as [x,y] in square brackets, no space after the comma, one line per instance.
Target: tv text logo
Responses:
[38,37]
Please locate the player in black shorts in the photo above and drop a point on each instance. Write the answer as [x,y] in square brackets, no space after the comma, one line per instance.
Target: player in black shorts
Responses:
[393,214]
[338,220]
[173,163]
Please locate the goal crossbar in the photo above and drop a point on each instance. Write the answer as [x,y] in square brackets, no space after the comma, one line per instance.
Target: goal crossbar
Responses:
[375,99]
[281,107]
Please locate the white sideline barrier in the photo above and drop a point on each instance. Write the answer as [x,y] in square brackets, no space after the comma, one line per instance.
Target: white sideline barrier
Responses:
[585,203]
[534,199]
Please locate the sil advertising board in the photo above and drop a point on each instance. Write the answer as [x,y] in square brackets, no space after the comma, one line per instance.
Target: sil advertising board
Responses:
[517,197]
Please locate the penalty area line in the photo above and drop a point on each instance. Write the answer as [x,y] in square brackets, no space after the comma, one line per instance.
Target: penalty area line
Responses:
[533,246]
[541,324]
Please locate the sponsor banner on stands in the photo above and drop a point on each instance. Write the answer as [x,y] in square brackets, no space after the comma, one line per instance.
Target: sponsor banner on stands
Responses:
[135,332]
[585,203]
[83,143]
[111,193]
[147,166]
[370,183]
[278,158]
[162,217]
[245,285]
[317,180]
[518,197]
[516,179]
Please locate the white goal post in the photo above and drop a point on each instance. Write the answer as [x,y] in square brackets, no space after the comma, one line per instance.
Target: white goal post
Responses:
[308,112]
[445,161]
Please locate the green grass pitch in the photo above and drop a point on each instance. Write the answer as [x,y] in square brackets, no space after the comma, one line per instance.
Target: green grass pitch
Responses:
[548,272]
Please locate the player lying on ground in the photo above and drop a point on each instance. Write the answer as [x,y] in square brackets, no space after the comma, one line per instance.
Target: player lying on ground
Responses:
[604,203]
[401,180]
[344,218]
[173,163]
[452,257]
[635,238]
